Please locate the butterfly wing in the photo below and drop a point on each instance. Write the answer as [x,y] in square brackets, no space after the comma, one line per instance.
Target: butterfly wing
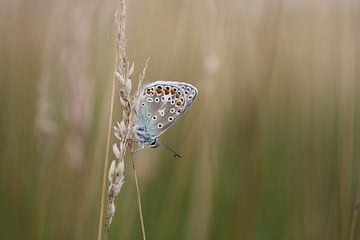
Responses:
[162,103]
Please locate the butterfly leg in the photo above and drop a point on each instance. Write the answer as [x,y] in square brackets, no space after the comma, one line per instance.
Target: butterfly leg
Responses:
[141,146]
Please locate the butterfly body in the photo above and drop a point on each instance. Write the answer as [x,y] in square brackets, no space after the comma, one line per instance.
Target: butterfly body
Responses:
[159,106]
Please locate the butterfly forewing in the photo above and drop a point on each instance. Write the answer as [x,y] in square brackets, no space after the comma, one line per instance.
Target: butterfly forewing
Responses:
[162,103]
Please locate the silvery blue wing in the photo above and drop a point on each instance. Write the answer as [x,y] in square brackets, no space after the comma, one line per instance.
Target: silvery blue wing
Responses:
[159,106]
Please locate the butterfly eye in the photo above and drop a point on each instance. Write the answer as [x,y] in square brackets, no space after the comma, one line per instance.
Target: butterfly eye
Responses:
[170,119]
[154,117]
[149,114]
[172,102]
[157,99]
[143,104]
[162,98]
[186,92]
[190,97]
[172,110]
[160,125]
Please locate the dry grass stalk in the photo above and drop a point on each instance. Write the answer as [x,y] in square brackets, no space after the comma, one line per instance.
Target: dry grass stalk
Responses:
[123,131]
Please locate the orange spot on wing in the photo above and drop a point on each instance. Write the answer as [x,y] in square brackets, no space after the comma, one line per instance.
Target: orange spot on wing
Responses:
[179,104]
[179,110]
[177,95]
[158,90]
[172,91]
[167,91]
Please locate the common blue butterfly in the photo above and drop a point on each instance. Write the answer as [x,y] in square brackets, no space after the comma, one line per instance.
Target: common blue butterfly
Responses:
[160,104]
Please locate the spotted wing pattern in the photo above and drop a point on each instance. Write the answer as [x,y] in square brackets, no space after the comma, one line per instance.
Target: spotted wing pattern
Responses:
[162,103]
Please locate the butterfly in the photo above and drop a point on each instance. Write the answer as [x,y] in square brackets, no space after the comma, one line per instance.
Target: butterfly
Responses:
[160,104]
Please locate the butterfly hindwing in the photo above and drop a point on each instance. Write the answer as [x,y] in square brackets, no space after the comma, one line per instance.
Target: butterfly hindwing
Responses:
[162,103]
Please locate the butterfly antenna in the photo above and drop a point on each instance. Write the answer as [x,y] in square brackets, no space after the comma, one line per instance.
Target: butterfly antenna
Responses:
[175,154]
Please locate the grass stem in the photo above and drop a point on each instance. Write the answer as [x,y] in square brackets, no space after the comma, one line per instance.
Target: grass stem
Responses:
[103,188]
[355,214]
[138,198]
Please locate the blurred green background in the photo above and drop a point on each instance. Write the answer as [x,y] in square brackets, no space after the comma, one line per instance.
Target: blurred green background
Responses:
[270,147]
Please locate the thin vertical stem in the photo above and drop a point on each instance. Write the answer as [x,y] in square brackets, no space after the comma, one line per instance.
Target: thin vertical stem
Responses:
[355,212]
[138,198]
[101,216]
